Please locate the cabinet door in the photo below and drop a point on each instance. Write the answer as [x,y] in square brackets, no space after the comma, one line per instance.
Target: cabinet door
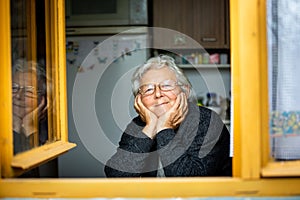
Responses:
[175,15]
[210,18]
[206,21]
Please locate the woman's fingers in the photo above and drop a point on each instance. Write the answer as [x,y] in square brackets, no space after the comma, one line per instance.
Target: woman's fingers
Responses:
[146,115]
[181,110]
[139,107]
[136,106]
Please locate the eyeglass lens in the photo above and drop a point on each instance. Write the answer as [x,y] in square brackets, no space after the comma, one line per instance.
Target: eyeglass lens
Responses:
[148,89]
[28,91]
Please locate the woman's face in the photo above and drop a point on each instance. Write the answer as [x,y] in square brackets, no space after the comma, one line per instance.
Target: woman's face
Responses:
[160,101]
[24,98]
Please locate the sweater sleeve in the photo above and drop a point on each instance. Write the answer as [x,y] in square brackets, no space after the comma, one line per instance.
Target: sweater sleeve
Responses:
[133,157]
[206,154]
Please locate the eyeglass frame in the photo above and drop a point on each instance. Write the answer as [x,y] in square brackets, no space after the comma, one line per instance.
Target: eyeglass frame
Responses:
[25,89]
[159,85]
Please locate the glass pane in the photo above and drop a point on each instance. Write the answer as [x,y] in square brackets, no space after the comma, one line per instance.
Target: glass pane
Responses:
[284,81]
[30,82]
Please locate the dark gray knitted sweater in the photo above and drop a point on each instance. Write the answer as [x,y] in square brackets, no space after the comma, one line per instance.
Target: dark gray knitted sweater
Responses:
[199,147]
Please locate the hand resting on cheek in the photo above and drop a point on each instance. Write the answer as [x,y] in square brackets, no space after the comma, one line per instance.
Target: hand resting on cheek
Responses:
[170,119]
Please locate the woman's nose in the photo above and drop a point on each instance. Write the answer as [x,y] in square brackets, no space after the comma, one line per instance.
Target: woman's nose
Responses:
[157,91]
[20,93]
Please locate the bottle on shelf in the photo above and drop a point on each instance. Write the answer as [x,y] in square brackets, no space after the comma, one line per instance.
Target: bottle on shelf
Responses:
[211,102]
[208,99]
[212,99]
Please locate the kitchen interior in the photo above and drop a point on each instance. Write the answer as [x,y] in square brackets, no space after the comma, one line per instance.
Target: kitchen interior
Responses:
[106,40]
[98,82]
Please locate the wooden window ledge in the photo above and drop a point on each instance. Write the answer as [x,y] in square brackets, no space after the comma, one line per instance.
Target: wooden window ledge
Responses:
[282,169]
[40,155]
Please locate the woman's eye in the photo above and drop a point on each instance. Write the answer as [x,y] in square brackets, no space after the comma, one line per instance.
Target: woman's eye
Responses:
[15,88]
[29,91]
[149,90]
[166,87]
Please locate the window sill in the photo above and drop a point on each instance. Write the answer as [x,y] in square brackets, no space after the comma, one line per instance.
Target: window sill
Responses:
[37,156]
[282,169]
[148,187]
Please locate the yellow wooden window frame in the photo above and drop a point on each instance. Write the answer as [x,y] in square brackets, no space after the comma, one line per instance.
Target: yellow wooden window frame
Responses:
[11,165]
[251,160]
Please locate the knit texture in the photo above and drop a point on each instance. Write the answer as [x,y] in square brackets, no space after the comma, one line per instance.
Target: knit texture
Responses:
[199,147]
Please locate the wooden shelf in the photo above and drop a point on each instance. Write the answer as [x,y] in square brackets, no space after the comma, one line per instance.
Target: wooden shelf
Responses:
[204,66]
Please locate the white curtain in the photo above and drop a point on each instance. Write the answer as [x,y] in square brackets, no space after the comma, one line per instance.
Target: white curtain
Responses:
[283,23]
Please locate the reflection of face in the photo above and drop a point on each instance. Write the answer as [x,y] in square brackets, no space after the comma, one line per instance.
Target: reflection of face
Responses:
[159,102]
[23,104]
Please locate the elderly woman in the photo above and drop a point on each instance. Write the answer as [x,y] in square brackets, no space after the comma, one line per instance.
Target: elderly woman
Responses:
[172,136]
[30,126]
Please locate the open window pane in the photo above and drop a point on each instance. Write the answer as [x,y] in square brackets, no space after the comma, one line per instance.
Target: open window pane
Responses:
[31,80]
[33,86]
[284,96]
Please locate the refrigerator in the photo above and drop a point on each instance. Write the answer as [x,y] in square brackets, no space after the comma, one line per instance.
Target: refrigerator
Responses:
[99,97]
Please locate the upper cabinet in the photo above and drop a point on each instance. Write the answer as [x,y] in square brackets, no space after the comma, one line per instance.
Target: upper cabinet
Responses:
[206,21]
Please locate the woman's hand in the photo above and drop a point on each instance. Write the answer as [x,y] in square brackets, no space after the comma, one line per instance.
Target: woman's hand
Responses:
[147,116]
[173,117]
[17,123]
[30,121]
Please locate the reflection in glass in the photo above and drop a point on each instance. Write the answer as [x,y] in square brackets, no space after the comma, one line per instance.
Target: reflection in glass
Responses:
[29,105]
[284,96]
[30,82]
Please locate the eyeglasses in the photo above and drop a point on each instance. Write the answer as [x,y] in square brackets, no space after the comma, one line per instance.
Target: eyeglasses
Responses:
[165,86]
[29,91]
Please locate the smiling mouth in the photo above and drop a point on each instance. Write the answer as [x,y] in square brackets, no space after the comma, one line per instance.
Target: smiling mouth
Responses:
[20,106]
[161,104]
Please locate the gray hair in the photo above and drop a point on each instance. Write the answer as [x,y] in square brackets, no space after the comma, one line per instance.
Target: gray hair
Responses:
[23,66]
[158,63]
